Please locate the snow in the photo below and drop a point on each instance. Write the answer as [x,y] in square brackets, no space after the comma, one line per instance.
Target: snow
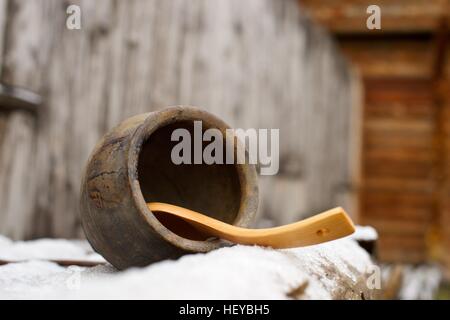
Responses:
[238,272]
[47,249]
[365,233]
[420,282]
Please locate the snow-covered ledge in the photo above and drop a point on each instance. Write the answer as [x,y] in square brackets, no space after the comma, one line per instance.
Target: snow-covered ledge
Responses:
[334,270]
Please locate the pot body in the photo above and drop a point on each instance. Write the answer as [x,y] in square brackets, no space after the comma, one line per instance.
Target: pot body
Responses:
[131,165]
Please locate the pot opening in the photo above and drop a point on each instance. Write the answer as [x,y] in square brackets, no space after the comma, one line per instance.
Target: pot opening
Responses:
[213,190]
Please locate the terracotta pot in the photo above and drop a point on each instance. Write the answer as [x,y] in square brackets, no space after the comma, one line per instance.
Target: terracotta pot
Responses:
[131,165]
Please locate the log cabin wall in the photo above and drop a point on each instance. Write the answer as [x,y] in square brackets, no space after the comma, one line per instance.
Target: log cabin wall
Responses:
[398,186]
[444,91]
[404,188]
[254,63]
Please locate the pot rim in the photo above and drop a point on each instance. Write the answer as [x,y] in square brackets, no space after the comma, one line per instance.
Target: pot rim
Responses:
[246,173]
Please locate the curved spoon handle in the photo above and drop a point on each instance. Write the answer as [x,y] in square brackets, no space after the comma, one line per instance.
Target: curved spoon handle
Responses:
[329,225]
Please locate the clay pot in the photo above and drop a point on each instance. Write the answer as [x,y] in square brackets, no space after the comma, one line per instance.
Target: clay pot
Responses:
[131,165]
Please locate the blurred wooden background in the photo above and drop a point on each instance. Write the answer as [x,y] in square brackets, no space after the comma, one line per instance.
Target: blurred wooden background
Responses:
[255,63]
[405,67]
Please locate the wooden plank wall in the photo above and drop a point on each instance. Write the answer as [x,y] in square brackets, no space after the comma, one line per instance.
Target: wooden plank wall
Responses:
[255,63]
[397,195]
[405,155]
[445,217]
[399,151]
[402,143]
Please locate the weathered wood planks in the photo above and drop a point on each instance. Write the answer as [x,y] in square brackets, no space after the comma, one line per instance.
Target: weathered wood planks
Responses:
[254,63]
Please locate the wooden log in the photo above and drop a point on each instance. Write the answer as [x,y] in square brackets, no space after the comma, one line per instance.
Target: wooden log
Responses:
[386,57]
[403,16]
[397,109]
[397,226]
[336,270]
[396,255]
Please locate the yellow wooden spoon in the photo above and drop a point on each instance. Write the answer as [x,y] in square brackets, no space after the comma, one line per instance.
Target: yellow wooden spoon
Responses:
[326,226]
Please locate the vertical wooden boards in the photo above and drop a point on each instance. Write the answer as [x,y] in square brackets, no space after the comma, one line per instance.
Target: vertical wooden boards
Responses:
[256,64]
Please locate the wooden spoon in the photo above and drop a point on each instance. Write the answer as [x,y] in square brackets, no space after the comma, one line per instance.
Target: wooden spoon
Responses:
[326,226]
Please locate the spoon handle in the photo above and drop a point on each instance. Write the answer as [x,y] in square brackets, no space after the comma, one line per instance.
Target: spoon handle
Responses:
[329,225]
